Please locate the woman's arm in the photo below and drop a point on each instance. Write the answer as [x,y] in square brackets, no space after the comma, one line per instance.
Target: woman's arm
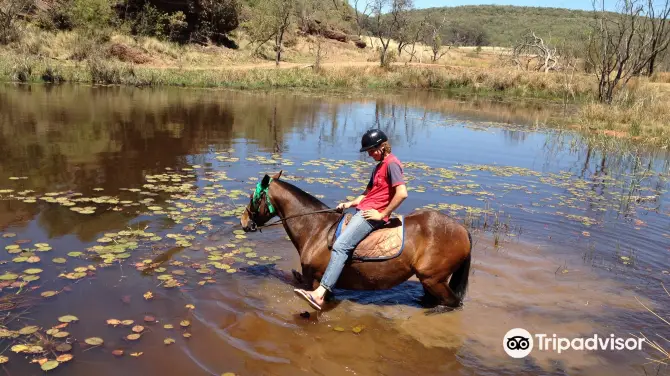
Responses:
[399,195]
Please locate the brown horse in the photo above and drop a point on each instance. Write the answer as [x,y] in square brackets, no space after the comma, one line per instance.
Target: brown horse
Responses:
[436,246]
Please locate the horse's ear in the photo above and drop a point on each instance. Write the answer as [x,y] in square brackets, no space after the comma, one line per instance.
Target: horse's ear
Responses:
[277,175]
[265,182]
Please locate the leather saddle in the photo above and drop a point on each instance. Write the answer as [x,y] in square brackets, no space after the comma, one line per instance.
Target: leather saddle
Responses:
[382,244]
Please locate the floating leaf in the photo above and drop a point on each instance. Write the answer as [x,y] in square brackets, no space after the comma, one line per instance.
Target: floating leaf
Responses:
[68,318]
[185,323]
[168,326]
[61,334]
[94,341]
[187,335]
[117,352]
[136,354]
[19,348]
[168,341]
[357,329]
[48,294]
[30,278]
[138,329]
[33,271]
[3,359]
[8,277]
[338,329]
[48,366]
[59,260]
[63,347]
[64,358]
[127,322]
[11,246]
[75,254]
[28,330]
[149,318]
[190,306]
[114,322]
[148,295]
[133,337]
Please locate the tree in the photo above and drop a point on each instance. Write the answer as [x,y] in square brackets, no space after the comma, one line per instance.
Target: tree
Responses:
[271,20]
[361,15]
[434,35]
[534,50]
[9,12]
[386,26]
[622,44]
[660,32]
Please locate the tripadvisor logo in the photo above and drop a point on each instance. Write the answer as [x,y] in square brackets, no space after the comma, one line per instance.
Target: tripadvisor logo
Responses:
[518,343]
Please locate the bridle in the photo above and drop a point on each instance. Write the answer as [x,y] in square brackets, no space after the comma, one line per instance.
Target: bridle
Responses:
[256,204]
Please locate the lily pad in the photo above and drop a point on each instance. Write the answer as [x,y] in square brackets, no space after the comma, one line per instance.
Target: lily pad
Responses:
[33,271]
[48,294]
[168,341]
[185,323]
[64,358]
[59,260]
[63,347]
[94,341]
[8,277]
[28,330]
[68,318]
[48,366]
[133,337]
[61,334]
[3,359]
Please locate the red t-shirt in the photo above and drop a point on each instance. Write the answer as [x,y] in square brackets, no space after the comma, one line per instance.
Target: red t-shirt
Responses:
[387,174]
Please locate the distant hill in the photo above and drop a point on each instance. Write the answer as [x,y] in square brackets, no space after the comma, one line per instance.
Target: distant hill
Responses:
[503,25]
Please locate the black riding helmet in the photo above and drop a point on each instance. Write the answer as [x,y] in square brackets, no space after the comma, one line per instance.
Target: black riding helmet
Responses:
[372,138]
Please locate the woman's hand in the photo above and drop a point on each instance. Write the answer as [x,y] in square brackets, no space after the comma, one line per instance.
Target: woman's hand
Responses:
[372,215]
[343,205]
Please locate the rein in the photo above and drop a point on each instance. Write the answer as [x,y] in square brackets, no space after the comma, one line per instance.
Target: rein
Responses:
[294,216]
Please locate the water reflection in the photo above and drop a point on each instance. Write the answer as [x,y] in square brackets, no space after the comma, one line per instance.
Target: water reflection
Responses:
[561,192]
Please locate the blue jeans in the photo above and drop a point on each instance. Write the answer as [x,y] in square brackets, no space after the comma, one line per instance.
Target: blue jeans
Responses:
[357,229]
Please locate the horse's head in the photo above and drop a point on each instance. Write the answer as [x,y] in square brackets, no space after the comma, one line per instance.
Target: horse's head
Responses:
[260,208]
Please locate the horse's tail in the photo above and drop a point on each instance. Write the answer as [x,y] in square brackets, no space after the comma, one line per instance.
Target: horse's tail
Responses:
[459,280]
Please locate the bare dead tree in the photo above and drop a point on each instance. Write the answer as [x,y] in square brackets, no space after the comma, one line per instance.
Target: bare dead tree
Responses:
[532,52]
[624,43]
[10,10]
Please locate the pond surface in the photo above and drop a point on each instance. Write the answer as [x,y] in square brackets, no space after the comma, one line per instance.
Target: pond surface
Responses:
[96,183]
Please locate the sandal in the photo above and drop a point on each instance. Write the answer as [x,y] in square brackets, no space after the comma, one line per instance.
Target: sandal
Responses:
[308,298]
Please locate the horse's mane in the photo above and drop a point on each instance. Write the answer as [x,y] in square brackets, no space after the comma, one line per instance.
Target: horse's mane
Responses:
[302,194]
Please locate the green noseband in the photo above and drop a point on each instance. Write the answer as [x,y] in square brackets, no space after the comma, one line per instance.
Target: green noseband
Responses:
[259,192]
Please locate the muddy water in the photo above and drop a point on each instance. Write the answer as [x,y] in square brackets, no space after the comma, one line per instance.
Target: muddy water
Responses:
[566,236]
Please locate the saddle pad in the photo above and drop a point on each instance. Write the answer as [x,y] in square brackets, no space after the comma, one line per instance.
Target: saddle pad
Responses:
[382,244]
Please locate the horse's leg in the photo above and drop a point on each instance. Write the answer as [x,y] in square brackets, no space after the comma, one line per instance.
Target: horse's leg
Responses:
[428,299]
[442,292]
[297,276]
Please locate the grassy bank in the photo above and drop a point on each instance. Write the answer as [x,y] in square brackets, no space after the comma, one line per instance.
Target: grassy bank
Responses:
[98,71]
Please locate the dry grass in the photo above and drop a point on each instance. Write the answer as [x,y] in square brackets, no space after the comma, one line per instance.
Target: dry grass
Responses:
[640,113]
[661,77]
[658,345]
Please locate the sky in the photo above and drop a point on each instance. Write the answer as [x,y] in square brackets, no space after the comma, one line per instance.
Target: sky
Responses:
[570,4]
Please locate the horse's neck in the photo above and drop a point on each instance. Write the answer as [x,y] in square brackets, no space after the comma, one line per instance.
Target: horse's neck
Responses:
[305,226]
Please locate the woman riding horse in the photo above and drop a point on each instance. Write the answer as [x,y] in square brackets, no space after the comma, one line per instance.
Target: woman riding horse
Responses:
[384,193]
[436,248]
